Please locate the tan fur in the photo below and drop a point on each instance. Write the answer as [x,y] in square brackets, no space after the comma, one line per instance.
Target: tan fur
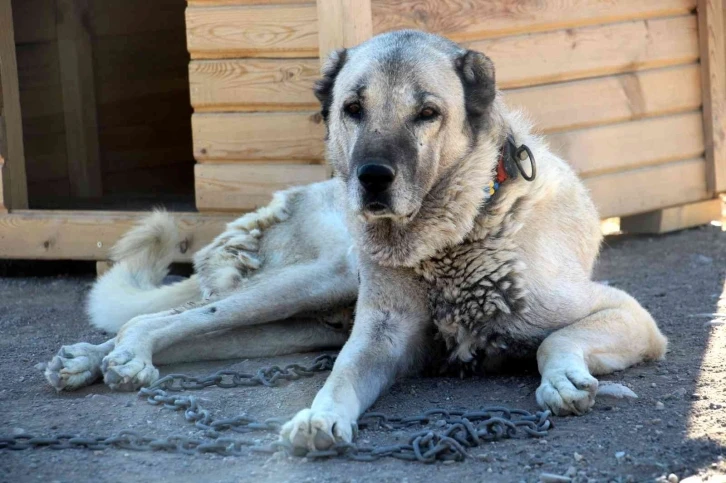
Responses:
[495,278]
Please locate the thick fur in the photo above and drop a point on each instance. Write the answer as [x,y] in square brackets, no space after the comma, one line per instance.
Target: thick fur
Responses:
[133,285]
[430,261]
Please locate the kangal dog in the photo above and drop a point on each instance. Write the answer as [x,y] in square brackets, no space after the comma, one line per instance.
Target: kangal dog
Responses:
[431,232]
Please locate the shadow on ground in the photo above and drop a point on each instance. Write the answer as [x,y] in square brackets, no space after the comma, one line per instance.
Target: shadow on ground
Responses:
[677,425]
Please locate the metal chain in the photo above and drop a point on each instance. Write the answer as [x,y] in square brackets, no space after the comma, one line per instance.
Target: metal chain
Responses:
[460,430]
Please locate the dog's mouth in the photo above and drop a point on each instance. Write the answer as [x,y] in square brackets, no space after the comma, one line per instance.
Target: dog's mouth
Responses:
[376,211]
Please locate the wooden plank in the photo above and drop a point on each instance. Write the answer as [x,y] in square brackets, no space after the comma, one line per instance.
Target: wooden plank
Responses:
[673,218]
[464,20]
[270,31]
[343,24]
[287,136]
[629,145]
[79,98]
[646,189]
[79,235]
[713,48]
[286,84]
[209,3]
[602,100]
[3,208]
[225,187]
[34,21]
[253,84]
[15,188]
[551,57]
[591,51]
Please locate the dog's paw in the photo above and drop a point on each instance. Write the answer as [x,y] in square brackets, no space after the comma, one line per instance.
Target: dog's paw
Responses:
[317,430]
[123,370]
[76,366]
[567,391]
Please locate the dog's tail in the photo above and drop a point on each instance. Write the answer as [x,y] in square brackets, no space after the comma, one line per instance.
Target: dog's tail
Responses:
[133,284]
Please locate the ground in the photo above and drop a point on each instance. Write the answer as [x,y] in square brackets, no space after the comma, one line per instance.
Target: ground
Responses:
[676,426]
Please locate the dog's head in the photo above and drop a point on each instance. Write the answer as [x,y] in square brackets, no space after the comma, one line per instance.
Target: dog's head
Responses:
[400,110]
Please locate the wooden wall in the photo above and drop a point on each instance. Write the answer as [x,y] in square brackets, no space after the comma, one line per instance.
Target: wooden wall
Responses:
[615,85]
[119,75]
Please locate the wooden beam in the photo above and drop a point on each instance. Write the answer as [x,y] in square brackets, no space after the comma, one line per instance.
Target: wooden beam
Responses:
[249,31]
[276,136]
[3,208]
[629,145]
[79,98]
[244,187]
[473,20]
[673,218]
[343,24]
[253,84]
[15,187]
[647,189]
[88,235]
[713,81]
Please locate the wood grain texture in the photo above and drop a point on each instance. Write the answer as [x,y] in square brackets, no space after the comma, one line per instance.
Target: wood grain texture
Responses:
[647,189]
[79,235]
[602,100]
[226,187]
[711,18]
[3,208]
[240,31]
[79,99]
[15,188]
[463,20]
[253,84]
[673,218]
[293,136]
[591,51]
[628,145]
[208,3]
[343,24]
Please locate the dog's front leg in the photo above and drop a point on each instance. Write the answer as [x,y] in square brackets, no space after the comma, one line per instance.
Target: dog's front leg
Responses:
[388,336]
[617,333]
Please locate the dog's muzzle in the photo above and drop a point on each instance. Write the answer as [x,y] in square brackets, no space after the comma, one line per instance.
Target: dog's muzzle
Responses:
[376,179]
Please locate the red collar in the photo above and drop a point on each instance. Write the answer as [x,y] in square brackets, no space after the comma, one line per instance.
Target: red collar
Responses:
[502,175]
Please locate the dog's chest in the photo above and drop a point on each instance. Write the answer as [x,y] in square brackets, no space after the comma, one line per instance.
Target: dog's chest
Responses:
[475,291]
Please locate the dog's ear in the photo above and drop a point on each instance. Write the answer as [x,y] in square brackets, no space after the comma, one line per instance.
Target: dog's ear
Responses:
[324,87]
[476,72]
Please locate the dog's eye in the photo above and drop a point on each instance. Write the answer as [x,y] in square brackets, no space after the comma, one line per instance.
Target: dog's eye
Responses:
[353,110]
[427,113]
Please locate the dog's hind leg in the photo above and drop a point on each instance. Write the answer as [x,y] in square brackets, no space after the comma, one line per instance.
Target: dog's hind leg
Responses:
[268,297]
[617,334]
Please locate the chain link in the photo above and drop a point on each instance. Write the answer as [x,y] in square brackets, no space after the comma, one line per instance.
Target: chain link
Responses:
[459,430]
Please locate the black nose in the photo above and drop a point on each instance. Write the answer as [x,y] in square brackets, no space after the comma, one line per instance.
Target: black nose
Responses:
[376,177]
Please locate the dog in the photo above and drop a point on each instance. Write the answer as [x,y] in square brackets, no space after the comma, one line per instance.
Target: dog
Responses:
[434,242]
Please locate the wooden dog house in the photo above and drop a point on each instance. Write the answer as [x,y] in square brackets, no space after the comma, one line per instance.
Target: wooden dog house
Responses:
[96,120]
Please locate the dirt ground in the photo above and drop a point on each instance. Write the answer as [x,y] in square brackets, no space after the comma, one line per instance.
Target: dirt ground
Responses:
[676,426]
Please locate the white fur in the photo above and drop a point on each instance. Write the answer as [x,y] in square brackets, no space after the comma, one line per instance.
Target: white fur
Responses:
[133,285]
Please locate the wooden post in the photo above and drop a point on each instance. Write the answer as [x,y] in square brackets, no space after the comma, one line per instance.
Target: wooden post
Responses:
[79,97]
[343,23]
[14,190]
[713,83]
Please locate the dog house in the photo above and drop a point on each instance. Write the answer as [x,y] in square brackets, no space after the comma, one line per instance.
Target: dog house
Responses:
[206,108]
